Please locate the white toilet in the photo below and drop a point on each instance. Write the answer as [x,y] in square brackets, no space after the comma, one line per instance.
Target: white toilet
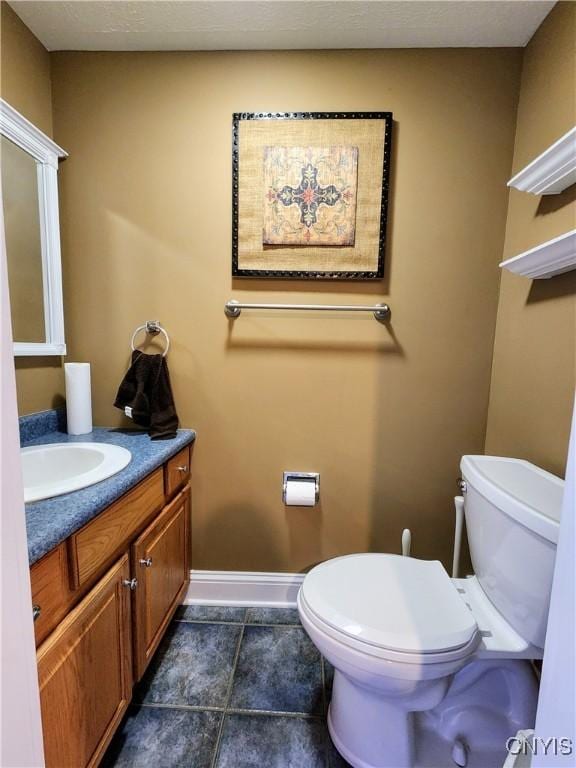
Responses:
[405,638]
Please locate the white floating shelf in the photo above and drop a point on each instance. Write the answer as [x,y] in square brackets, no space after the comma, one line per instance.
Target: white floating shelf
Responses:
[552,171]
[547,259]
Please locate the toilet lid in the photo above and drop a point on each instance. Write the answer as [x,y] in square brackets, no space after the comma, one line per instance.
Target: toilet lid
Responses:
[395,602]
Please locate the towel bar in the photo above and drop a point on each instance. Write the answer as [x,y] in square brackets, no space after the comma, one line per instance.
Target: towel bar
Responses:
[381,312]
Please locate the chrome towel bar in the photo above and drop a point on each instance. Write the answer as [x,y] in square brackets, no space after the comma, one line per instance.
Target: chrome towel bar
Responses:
[381,312]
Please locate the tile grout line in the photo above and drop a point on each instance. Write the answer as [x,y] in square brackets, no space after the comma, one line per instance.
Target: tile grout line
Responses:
[186,707]
[206,621]
[273,713]
[229,710]
[228,694]
[233,623]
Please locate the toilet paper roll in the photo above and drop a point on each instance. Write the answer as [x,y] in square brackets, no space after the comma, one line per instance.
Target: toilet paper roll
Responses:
[78,398]
[300,493]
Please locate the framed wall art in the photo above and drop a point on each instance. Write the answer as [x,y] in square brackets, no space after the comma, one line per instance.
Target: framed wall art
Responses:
[310,194]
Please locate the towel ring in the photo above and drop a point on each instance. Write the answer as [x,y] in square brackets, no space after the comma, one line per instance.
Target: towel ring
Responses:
[153,328]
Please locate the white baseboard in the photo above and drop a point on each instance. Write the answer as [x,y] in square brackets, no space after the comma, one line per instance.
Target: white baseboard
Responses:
[244,588]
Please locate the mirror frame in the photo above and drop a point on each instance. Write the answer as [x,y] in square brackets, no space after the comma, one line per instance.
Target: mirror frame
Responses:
[25,135]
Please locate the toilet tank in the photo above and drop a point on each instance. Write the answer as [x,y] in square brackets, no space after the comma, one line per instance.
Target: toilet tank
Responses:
[512,511]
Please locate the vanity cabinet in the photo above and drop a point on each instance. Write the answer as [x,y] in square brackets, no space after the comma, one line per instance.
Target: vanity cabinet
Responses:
[103,600]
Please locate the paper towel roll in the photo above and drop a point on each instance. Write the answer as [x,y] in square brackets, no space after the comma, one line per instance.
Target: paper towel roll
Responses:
[78,398]
[300,493]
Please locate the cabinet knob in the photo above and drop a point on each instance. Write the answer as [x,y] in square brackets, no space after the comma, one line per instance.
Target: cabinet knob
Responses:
[146,562]
[130,583]
[183,468]
[36,611]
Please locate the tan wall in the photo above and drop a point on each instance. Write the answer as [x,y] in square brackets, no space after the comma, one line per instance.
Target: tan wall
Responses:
[533,376]
[25,83]
[25,71]
[384,416]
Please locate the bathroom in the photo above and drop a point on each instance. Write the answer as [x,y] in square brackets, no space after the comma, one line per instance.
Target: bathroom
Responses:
[472,360]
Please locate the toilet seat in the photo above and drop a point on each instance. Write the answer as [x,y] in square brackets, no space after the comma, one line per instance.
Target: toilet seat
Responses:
[392,607]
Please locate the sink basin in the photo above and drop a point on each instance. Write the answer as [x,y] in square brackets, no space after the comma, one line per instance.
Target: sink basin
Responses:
[51,470]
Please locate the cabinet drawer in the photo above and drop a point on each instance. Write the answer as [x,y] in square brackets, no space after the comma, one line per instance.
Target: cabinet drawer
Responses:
[177,471]
[104,537]
[51,592]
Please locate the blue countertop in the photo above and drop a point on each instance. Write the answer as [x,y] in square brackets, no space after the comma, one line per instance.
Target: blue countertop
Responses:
[51,521]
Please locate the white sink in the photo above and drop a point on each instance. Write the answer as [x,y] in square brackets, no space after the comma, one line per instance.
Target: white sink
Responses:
[51,470]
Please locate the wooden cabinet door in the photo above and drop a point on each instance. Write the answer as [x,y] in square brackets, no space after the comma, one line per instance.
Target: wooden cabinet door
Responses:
[160,563]
[85,674]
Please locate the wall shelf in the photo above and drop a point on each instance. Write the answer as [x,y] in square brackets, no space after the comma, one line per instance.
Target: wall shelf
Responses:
[547,259]
[552,171]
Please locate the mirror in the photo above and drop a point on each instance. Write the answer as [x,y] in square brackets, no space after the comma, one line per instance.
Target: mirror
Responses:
[29,166]
[23,246]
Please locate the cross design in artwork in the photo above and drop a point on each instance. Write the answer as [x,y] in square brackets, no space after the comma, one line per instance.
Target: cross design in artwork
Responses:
[308,195]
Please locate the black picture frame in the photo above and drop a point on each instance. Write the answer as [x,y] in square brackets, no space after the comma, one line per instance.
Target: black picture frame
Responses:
[377,274]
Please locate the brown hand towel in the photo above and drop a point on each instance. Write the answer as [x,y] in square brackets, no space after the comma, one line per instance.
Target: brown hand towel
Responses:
[147,391]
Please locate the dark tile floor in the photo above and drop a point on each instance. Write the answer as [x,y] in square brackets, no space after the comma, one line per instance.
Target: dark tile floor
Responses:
[230,688]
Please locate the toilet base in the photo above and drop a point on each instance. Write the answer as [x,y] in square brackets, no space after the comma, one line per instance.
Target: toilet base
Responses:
[354,760]
[394,759]
[485,703]
[432,750]
[368,731]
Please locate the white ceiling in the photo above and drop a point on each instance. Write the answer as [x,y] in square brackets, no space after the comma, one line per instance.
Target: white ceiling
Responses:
[164,25]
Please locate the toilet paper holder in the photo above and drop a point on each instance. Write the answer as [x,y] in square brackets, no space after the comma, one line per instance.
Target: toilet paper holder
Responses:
[311,477]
